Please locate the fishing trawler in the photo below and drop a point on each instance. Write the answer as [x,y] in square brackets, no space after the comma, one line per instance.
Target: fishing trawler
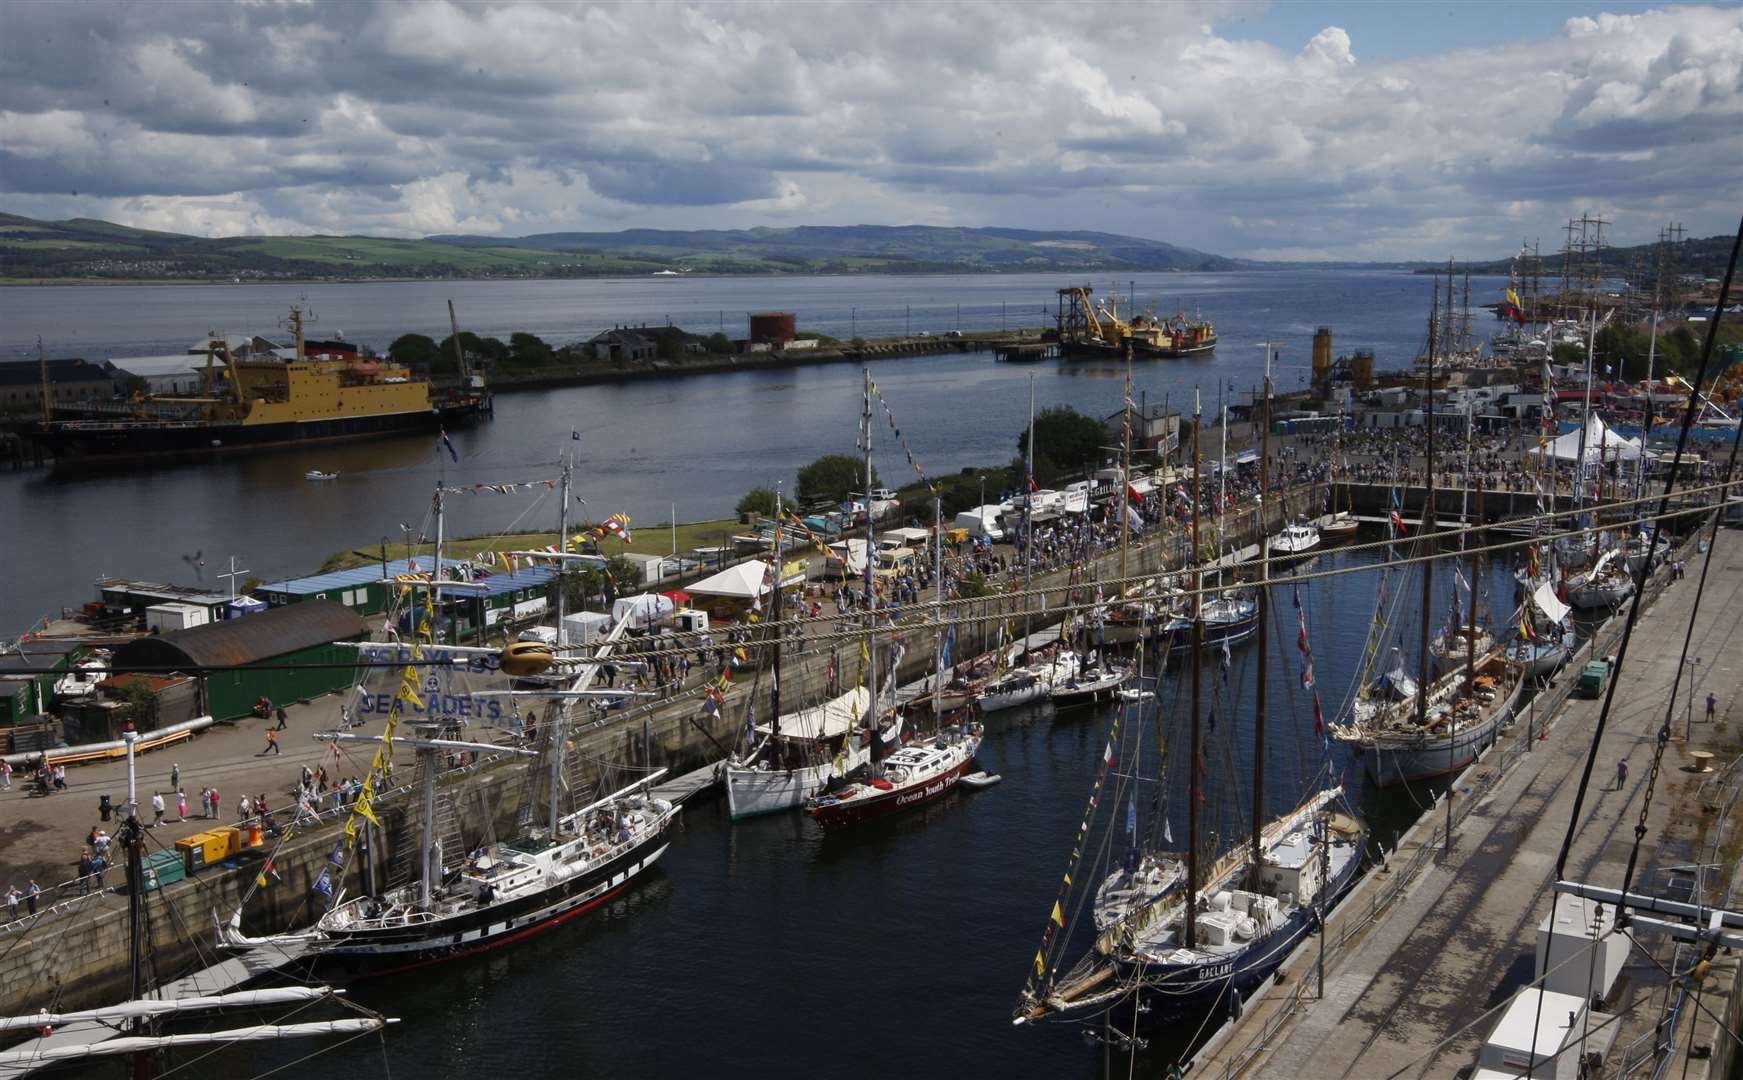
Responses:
[263,401]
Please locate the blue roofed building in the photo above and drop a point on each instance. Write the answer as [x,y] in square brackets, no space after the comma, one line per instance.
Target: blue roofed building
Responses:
[364,589]
[470,609]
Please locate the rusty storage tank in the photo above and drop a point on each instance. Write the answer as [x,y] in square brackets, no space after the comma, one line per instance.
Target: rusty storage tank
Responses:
[1321,353]
[1362,369]
[773,327]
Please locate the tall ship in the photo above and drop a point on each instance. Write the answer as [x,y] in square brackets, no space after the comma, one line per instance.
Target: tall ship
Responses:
[265,400]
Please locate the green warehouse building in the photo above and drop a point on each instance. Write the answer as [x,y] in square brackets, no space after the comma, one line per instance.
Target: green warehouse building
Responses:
[279,639]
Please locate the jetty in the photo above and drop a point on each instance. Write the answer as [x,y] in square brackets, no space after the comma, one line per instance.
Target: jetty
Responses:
[1421,960]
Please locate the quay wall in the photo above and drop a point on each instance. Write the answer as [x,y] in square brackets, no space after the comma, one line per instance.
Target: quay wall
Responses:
[80,958]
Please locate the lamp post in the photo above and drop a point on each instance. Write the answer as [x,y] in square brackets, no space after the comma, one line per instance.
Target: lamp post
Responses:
[1694,688]
[131,810]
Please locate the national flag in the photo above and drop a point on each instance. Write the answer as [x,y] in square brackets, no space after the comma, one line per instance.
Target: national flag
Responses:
[449,446]
[1513,309]
[1033,486]
[1132,494]
[1398,523]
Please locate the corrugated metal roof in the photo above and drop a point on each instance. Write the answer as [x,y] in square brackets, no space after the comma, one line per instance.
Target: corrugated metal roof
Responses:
[43,652]
[529,578]
[350,579]
[248,640]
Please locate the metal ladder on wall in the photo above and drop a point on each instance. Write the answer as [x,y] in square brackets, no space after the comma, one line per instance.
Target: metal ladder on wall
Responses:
[402,868]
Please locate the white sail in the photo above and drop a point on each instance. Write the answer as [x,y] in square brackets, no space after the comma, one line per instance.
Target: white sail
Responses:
[136,1044]
[128,1010]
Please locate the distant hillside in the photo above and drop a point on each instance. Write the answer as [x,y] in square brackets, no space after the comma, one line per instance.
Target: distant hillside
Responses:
[1706,257]
[848,248]
[99,250]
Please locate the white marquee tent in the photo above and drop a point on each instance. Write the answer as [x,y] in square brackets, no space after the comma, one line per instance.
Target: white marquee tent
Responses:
[1600,440]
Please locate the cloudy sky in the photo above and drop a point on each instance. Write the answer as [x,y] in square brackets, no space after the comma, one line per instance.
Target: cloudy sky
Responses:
[1296,130]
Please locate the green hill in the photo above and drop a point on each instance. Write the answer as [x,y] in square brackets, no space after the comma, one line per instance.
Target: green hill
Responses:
[83,249]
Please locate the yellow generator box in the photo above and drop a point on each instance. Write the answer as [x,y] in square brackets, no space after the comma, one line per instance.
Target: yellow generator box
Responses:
[213,846]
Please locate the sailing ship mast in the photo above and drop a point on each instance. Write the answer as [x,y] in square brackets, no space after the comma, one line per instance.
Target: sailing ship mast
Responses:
[1471,568]
[559,711]
[1028,512]
[1126,470]
[777,611]
[1264,606]
[938,597]
[1426,533]
[1197,672]
[875,753]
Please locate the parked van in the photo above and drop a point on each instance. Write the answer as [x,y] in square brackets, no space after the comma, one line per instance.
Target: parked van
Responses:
[982,521]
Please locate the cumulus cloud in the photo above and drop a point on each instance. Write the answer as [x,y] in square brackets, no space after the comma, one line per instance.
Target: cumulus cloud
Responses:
[407,119]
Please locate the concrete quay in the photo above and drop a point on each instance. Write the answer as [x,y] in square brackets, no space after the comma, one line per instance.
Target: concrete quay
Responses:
[1421,957]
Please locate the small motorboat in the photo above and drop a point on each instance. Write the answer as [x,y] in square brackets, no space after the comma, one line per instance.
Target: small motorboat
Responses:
[978,780]
[1339,528]
[316,474]
[1132,693]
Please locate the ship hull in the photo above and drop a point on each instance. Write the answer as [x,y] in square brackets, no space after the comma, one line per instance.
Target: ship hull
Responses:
[95,443]
[894,801]
[1392,760]
[1175,990]
[755,792]
[371,952]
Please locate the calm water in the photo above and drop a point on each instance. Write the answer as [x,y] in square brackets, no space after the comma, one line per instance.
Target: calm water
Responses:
[694,444]
[899,948]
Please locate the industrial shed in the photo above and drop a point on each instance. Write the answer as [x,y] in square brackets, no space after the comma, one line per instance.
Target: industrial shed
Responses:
[280,638]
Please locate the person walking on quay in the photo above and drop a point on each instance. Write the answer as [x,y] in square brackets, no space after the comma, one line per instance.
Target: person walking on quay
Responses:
[5,775]
[283,722]
[271,743]
[87,867]
[12,898]
[157,809]
[242,809]
[205,802]
[1712,705]
[1621,773]
[182,804]
[31,892]
[175,775]
[60,777]
[214,804]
